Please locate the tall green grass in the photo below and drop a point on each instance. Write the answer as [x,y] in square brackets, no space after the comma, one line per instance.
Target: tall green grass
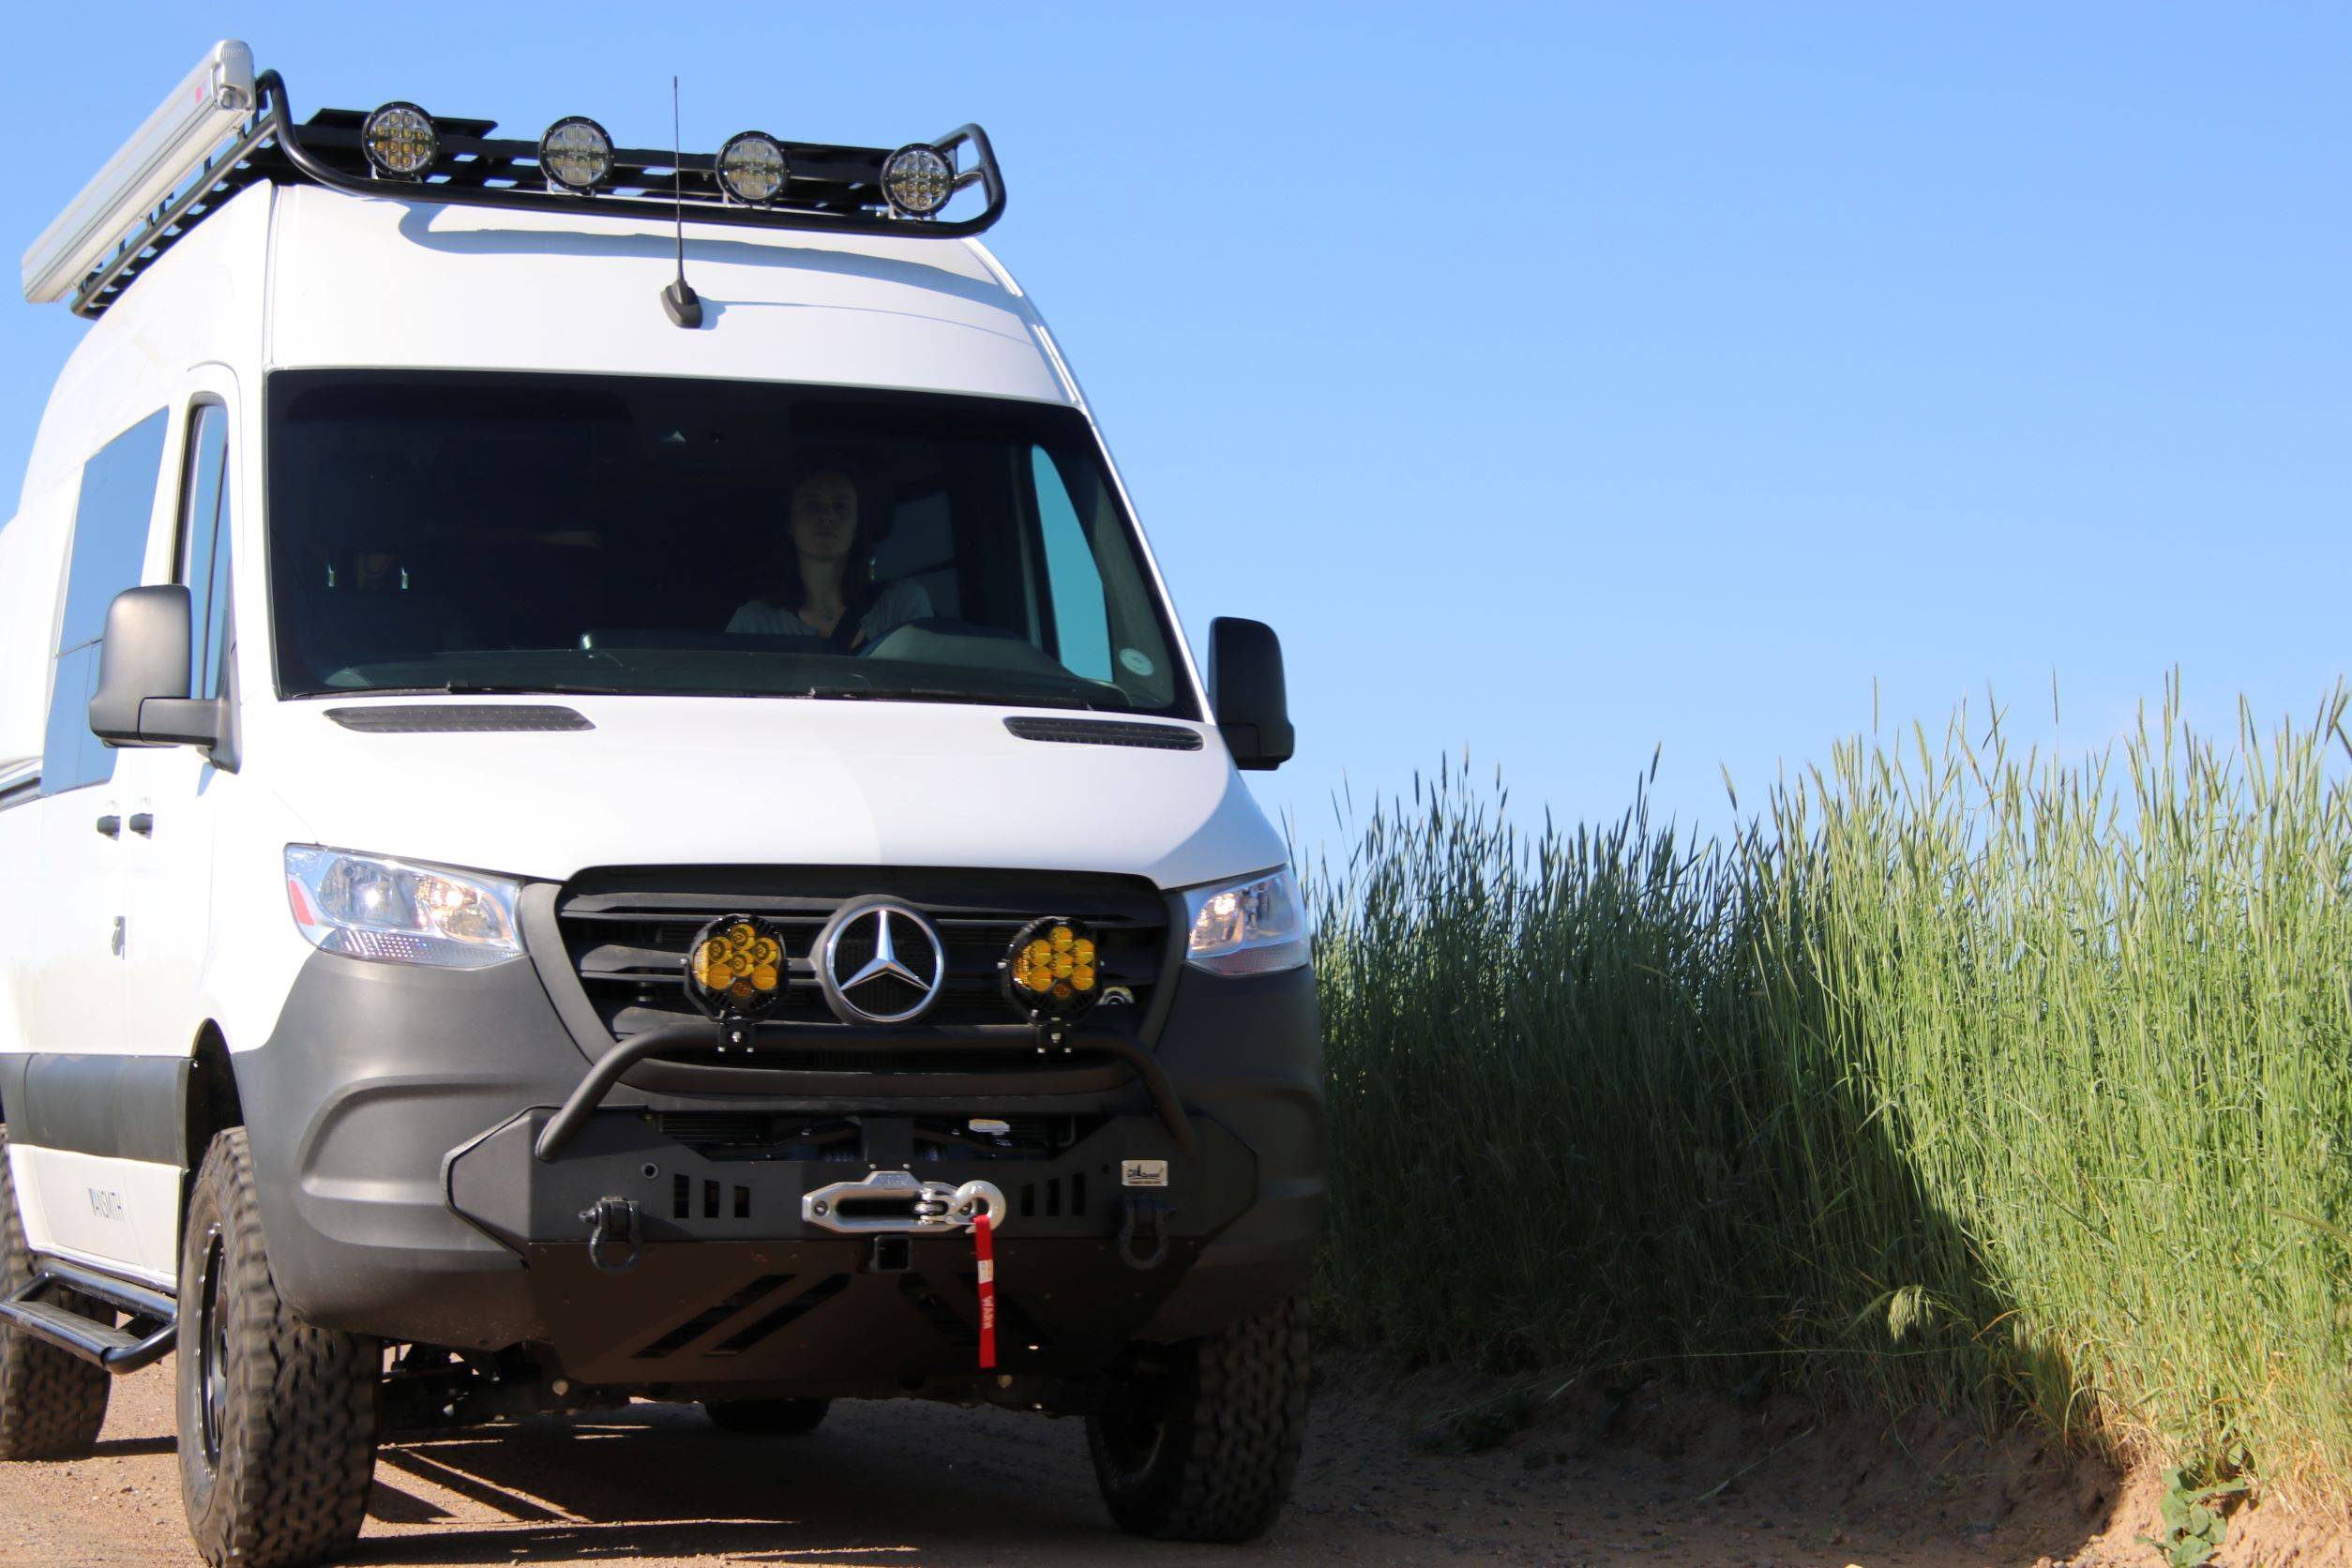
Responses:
[1956,1075]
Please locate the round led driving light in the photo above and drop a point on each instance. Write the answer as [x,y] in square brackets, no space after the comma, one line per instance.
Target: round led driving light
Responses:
[576,154]
[736,967]
[399,141]
[1052,970]
[752,168]
[917,180]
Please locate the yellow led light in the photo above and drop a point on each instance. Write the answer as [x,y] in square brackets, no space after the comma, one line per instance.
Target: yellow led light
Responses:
[1050,973]
[736,969]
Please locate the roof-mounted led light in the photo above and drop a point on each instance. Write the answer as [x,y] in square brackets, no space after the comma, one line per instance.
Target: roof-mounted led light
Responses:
[752,168]
[399,141]
[576,154]
[917,180]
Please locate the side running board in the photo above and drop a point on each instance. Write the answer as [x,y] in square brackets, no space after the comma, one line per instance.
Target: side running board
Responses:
[147,1338]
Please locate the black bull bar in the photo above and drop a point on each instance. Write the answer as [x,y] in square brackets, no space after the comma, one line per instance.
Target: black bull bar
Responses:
[978,1040]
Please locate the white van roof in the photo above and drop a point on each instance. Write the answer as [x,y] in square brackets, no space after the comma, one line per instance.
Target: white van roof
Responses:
[407,283]
[306,244]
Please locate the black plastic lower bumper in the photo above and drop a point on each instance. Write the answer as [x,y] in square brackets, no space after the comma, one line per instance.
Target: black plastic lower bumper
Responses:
[392,1115]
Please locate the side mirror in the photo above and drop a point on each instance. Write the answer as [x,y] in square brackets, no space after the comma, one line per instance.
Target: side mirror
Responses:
[1245,687]
[143,675]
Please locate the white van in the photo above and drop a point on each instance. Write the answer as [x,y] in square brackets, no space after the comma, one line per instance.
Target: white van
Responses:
[601,799]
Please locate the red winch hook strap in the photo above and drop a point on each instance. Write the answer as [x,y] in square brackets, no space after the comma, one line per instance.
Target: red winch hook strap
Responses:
[986,1250]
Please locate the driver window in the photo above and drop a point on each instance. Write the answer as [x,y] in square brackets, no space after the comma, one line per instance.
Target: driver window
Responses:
[110,538]
[204,551]
[1082,627]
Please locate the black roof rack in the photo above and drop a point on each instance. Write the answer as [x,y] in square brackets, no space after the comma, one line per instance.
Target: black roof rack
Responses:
[832,189]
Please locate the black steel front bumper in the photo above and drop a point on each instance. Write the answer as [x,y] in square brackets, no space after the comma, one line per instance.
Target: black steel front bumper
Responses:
[393,1115]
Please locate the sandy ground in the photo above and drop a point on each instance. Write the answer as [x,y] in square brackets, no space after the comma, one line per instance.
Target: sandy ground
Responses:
[1668,1478]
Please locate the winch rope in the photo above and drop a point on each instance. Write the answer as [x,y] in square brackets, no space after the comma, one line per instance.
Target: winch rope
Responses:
[984,1246]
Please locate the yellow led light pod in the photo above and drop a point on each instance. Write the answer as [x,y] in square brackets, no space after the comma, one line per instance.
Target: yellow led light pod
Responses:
[734,967]
[1051,972]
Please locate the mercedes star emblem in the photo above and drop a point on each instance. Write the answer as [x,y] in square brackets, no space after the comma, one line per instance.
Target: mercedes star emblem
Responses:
[879,962]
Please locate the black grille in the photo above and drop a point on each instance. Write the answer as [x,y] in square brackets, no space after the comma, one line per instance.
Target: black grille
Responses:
[627,931]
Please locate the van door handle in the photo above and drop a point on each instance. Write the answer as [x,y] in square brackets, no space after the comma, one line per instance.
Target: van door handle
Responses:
[110,825]
[142,823]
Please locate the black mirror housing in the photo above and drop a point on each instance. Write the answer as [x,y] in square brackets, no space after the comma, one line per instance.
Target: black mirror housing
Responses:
[1247,688]
[142,695]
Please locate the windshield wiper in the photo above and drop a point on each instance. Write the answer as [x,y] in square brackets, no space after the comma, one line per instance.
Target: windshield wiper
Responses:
[847,693]
[945,694]
[485,688]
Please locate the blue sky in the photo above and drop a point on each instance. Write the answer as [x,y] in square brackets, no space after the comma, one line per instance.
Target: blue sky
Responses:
[1565,383]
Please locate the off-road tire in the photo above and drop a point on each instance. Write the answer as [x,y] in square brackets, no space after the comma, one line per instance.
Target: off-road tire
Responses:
[52,1403]
[776,1417]
[277,1419]
[1204,1446]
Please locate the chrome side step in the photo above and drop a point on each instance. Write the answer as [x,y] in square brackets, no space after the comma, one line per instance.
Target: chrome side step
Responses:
[153,1329]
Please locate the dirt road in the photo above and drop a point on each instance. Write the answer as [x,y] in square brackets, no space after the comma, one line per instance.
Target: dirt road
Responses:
[917,1484]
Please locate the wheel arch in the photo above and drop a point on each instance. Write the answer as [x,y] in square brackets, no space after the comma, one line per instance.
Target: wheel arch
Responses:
[214,1106]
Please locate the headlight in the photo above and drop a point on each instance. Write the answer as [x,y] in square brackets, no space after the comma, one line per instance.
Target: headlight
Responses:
[366,907]
[1252,928]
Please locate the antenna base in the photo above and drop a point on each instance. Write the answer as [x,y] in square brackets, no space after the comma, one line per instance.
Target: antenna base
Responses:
[684,305]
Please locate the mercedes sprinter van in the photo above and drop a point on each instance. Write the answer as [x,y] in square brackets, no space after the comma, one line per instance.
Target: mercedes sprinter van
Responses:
[600,799]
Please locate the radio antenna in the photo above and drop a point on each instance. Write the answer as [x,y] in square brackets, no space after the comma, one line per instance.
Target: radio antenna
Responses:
[684,305]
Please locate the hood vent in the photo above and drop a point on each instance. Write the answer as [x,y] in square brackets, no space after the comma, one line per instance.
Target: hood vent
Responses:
[1107,732]
[459,718]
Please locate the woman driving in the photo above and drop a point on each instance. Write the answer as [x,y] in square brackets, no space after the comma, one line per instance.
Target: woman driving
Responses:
[824,585]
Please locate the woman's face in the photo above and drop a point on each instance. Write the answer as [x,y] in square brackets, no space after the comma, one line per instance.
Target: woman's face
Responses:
[825,516]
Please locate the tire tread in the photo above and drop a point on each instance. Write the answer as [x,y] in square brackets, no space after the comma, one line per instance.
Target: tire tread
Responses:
[298,1449]
[51,1402]
[1233,1429]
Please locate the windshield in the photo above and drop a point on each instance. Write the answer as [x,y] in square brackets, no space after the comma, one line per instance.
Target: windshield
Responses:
[467,532]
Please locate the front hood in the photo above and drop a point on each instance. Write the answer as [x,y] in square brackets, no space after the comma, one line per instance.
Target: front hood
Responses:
[663,780]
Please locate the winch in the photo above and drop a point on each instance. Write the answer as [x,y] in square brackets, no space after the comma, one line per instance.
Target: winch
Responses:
[892,1203]
[898,1202]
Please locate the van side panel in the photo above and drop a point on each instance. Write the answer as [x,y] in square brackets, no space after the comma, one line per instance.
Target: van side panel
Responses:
[203,303]
[102,1180]
[32,588]
[31,578]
